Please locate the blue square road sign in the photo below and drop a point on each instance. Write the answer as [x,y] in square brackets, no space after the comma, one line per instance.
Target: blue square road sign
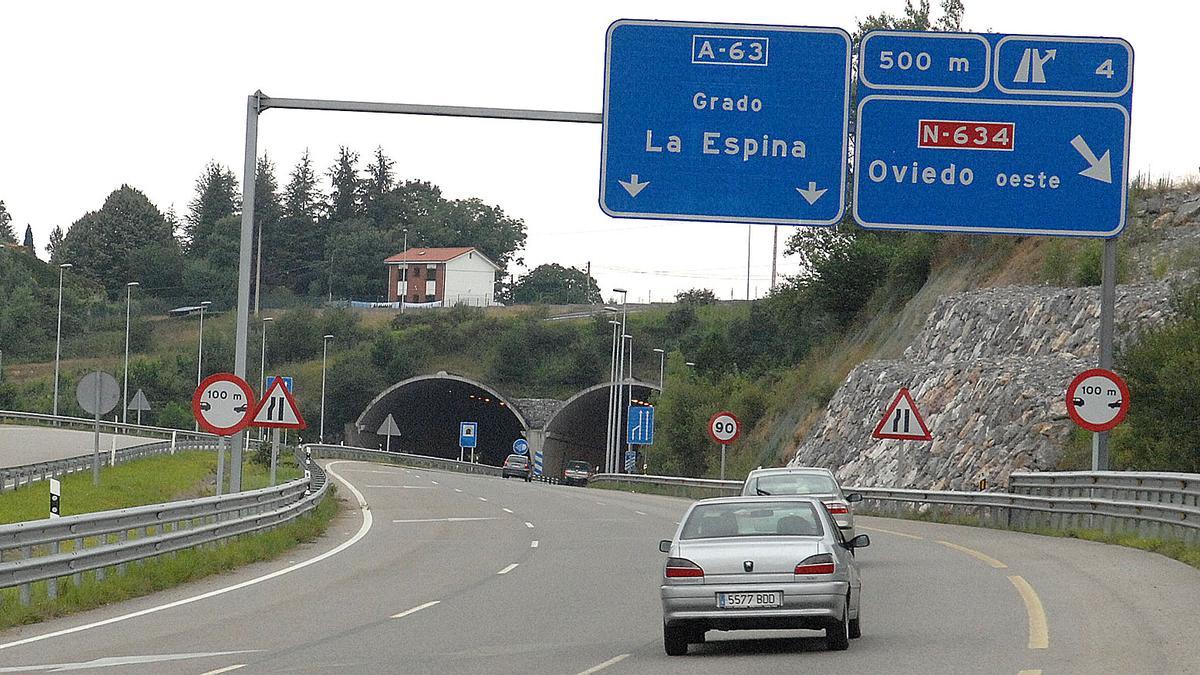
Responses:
[468,434]
[639,425]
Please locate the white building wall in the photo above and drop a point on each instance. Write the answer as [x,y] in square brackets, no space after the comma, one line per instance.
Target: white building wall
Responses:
[470,280]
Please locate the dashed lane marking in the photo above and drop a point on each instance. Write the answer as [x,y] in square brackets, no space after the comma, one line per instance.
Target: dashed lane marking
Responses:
[457,490]
[891,532]
[974,554]
[416,609]
[401,487]
[597,668]
[533,544]
[640,513]
[483,499]
[226,669]
[1039,634]
[508,569]
[506,510]
[529,524]
[440,520]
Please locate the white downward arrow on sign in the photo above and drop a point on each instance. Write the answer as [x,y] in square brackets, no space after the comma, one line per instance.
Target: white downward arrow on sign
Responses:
[812,194]
[633,187]
[1098,169]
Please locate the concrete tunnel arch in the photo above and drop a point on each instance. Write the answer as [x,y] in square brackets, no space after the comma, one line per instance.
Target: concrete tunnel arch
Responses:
[577,428]
[428,409]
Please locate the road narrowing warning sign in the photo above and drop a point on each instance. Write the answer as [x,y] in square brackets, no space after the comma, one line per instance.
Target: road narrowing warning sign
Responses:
[277,409]
[902,420]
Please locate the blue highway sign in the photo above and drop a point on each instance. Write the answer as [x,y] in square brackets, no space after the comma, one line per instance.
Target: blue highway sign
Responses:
[639,425]
[468,433]
[725,122]
[287,382]
[993,134]
[520,446]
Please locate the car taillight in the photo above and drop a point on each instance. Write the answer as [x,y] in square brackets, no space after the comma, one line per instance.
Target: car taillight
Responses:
[837,508]
[822,563]
[681,568]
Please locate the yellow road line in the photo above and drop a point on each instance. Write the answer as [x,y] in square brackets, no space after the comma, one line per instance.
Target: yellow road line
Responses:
[975,554]
[1039,634]
[1030,672]
[883,531]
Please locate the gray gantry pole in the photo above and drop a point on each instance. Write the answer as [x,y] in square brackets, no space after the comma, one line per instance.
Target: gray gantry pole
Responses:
[324,353]
[125,389]
[1108,306]
[58,335]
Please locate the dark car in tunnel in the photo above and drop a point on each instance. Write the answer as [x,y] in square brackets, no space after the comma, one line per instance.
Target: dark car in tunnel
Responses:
[518,466]
[577,472]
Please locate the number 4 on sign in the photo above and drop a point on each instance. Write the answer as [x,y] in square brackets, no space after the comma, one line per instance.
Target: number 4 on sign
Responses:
[902,420]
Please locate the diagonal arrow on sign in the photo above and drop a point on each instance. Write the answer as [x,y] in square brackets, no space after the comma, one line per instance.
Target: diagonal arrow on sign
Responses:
[632,186]
[1098,169]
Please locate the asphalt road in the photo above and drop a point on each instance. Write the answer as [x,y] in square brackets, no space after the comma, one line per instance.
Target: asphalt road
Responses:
[533,578]
[27,445]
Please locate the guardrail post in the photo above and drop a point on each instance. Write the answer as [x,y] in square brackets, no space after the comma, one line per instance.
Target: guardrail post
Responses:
[52,583]
[122,537]
[26,590]
[77,578]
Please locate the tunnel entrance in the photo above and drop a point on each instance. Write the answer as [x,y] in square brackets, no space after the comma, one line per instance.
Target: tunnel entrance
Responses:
[577,429]
[428,409]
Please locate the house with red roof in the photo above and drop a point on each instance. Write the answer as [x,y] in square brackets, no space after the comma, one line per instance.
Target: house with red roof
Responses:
[450,276]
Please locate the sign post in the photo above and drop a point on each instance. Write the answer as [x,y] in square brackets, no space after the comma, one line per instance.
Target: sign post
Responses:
[1098,400]
[223,405]
[97,393]
[725,122]
[388,429]
[724,428]
[138,404]
[468,434]
[55,498]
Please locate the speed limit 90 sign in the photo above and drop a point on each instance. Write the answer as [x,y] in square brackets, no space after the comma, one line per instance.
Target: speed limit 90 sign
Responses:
[724,427]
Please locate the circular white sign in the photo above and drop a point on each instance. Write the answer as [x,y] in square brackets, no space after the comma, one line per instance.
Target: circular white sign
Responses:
[1097,400]
[223,404]
[724,427]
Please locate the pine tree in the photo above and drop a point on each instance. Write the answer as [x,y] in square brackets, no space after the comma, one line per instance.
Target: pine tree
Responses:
[216,198]
[343,175]
[28,243]
[297,244]
[52,248]
[268,212]
[7,235]
[378,184]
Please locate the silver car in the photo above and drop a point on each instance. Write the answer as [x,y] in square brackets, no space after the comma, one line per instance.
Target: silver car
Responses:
[755,563]
[809,481]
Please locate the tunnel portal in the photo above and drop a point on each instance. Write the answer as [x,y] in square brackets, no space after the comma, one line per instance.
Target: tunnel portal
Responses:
[576,430]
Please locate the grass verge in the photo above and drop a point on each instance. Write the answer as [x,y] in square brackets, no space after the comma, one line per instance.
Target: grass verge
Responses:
[166,571]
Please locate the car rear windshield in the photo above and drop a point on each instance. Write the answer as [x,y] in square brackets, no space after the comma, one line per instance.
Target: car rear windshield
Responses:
[793,484]
[514,460]
[578,466]
[750,519]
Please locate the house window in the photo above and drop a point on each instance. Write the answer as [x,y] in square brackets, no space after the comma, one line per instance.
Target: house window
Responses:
[431,273]
[403,274]
[430,298]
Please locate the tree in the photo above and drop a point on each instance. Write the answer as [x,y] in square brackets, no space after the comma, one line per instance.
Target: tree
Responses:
[696,296]
[299,240]
[7,236]
[356,251]
[56,237]
[555,284]
[376,188]
[216,198]
[344,203]
[99,243]
[28,243]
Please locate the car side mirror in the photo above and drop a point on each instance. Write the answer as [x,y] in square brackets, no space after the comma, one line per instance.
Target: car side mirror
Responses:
[664,546]
[854,497]
[861,541]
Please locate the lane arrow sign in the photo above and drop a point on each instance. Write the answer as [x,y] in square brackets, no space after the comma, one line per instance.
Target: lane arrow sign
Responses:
[633,187]
[1098,169]
[812,194]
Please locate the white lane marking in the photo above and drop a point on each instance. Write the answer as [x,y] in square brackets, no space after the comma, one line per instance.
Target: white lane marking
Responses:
[110,661]
[533,544]
[457,490]
[434,482]
[402,487]
[483,499]
[439,520]
[613,661]
[389,473]
[506,510]
[601,503]
[414,610]
[226,669]
[508,569]
[640,513]
[362,532]
[529,524]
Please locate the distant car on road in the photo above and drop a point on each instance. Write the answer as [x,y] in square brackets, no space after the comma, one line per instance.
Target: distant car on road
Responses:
[759,563]
[809,481]
[577,472]
[517,466]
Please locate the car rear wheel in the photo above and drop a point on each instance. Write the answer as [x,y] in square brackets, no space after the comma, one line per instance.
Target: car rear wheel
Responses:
[837,635]
[675,640]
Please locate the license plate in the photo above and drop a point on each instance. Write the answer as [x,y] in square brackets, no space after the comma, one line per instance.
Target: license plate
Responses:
[764,599]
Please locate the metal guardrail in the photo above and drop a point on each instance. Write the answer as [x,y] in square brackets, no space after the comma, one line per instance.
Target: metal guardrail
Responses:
[405,459]
[51,549]
[16,476]
[106,426]
[1154,505]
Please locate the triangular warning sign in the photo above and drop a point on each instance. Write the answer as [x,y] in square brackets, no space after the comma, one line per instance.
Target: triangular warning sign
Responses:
[902,420]
[277,409]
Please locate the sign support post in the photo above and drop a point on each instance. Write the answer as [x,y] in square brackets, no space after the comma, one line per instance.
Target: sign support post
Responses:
[274,452]
[220,465]
[723,446]
[1108,301]
[96,440]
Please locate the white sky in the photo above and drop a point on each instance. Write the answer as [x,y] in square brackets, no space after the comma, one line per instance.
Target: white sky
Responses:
[95,94]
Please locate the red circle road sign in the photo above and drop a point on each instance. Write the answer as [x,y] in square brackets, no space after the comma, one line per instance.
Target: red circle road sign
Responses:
[724,427]
[1097,399]
[223,404]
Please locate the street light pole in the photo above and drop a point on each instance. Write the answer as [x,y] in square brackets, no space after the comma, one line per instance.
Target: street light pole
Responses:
[662,362]
[617,431]
[125,393]
[609,442]
[58,333]
[628,401]
[324,353]
[404,296]
[262,369]
[200,353]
